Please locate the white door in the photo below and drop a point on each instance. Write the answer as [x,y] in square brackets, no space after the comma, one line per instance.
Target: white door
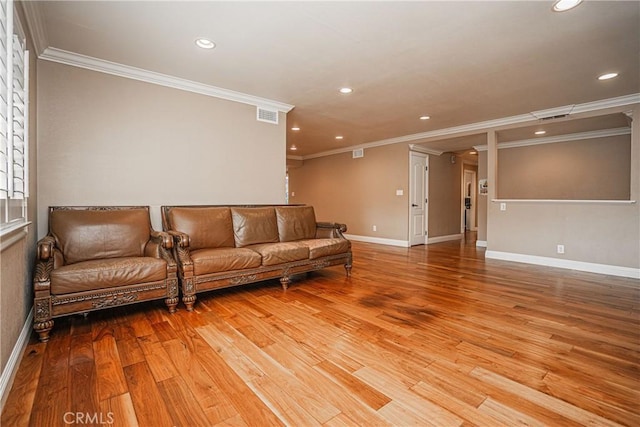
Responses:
[418,189]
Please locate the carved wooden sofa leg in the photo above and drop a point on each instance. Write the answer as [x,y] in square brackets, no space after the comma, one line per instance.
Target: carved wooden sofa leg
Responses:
[172,304]
[348,265]
[284,281]
[188,292]
[189,301]
[43,328]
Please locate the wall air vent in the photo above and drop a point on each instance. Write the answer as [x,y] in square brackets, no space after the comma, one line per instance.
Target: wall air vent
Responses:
[358,153]
[265,115]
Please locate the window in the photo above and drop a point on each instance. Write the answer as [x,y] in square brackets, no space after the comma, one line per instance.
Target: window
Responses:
[14,96]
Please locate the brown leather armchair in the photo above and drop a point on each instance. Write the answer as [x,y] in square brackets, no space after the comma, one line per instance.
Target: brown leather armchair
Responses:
[100,257]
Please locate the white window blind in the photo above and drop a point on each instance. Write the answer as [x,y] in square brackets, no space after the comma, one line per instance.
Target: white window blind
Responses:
[14,124]
[20,80]
[4,98]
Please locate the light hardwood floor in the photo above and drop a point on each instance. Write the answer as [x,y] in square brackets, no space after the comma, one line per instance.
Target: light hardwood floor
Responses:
[424,336]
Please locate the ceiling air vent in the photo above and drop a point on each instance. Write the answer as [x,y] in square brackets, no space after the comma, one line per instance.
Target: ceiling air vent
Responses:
[357,153]
[553,113]
[558,116]
[269,116]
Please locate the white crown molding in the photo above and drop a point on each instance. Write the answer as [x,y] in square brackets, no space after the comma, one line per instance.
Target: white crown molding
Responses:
[108,67]
[292,157]
[36,25]
[424,150]
[603,104]
[560,138]
[487,125]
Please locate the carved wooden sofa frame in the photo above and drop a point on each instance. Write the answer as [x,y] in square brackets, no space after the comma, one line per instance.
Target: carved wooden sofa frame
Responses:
[73,254]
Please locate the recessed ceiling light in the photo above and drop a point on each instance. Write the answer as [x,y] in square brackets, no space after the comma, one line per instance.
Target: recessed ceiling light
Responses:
[473,152]
[205,43]
[424,117]
[562,5]
[295,128]
[293,148]
[540,132]
[607,76]
[346,90]
[339,137]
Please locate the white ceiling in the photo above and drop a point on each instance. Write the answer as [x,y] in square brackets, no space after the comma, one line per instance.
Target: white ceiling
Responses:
[458,62]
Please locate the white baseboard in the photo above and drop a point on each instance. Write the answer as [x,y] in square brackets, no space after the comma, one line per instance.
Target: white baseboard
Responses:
[481,243]
[378,240]
[612,270]
[11,368]
[439,239]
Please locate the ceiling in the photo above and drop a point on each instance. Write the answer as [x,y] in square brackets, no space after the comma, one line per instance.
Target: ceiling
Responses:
[457,62]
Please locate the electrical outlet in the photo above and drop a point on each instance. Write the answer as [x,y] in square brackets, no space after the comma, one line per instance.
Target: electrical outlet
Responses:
[503,206]
[560,249]
[375,228]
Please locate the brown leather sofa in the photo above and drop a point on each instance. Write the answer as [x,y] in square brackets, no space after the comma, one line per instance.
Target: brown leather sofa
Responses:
[223,246]
[100,257]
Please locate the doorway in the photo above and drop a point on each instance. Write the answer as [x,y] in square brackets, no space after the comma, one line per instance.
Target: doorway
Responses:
[418,198]
[469,201]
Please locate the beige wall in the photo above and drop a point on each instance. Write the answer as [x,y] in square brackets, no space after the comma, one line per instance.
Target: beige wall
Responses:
[445,198]
[107,140]
[576,170]
[362,192]
[358,192]
[595,232]
[16,260]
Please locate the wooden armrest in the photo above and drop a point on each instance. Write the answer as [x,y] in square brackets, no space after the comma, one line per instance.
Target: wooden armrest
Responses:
[45,247]
[165,238]
[181,239]
[332,225]
[42,274]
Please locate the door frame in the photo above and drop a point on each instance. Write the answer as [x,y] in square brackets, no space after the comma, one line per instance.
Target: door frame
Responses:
[425,204]
[474,199]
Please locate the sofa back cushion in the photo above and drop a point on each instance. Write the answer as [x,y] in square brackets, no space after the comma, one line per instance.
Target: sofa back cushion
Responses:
[207,227]
[296,223]
[254,225]
[88,234]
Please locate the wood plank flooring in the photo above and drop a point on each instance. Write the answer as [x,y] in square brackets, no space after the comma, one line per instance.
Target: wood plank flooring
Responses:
[427,336]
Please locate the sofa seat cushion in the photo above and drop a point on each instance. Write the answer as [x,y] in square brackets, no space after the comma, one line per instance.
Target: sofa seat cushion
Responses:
[107,273]
[319,248]
[206,261]
[280,253]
